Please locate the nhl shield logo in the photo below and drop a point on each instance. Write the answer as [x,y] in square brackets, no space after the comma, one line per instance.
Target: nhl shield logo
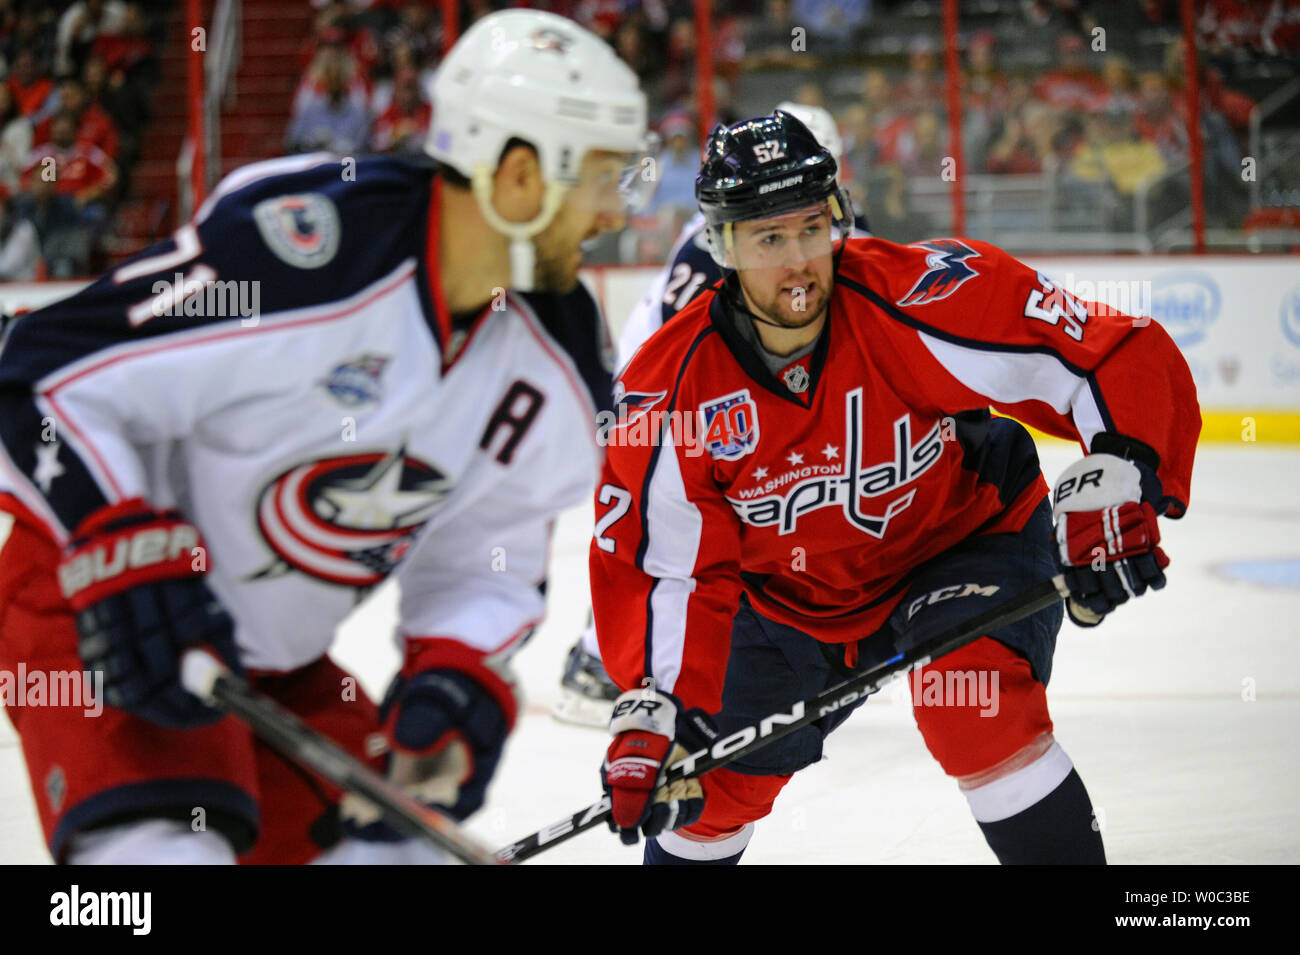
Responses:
[730,425]
[796,379]
[302,230]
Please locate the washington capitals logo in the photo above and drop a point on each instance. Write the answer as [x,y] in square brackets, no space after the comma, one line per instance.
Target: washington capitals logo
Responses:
[629,406]
[946,271]
[348,520]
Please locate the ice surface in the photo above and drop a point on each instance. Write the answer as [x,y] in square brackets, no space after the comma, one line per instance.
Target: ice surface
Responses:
[1152,707]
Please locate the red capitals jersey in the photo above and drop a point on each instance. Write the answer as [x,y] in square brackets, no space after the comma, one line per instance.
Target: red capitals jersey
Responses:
[817,491]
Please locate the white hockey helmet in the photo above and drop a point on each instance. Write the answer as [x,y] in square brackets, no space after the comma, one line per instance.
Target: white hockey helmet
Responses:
[546,80]
[538,76]
[820,123]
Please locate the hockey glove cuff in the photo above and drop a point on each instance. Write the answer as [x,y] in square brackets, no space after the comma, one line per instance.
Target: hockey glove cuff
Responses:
[135,578]
[652,731]
[1106,535]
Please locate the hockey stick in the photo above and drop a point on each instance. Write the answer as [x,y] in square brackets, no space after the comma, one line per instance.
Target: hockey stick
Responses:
[805,712]
[205,677]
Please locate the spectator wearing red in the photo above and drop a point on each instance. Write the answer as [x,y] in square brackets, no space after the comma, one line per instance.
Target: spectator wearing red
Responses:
[31,90]
[601,17]
[1226,25]
[74,168]
[65,189]
[1072,86]
[93,124]
[126,47]
[402,127]
[78,28]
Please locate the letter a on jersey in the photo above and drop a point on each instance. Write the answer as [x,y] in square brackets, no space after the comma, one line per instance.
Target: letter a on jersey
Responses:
[946,271]
[730,425]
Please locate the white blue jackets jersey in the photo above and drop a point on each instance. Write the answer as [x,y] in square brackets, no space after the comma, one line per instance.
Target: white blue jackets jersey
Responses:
[284,371]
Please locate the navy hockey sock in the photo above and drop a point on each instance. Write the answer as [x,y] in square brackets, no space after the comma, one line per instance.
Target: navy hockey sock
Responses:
[655,854]
[1056,830]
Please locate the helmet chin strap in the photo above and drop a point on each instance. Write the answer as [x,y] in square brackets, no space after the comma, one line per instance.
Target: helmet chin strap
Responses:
[523,251]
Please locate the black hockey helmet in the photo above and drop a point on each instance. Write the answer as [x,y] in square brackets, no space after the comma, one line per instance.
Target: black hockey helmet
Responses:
[764,167]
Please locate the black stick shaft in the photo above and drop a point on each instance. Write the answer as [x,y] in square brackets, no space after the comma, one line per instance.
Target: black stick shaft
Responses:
[288,735]
[777,725]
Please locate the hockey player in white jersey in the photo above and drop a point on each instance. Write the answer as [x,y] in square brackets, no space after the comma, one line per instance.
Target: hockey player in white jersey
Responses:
[340,371]
[587,693]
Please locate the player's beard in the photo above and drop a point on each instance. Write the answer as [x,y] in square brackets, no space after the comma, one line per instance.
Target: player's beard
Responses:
[558,258]
[556,273]
[778,308]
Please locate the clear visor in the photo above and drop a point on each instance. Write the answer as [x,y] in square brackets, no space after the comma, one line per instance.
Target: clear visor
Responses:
[615,184]
[782,241]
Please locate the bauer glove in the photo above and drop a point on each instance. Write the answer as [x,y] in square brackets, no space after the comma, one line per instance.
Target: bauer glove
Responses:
[1106,534]
[651,732]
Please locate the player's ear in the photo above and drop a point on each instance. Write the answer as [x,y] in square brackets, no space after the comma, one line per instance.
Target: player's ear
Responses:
[518,183]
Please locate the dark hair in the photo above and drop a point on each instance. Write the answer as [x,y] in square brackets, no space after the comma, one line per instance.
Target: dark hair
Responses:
[453,178]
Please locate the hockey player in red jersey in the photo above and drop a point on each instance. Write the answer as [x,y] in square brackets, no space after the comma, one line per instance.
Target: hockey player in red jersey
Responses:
[408,401]
[803,477]
[586,693]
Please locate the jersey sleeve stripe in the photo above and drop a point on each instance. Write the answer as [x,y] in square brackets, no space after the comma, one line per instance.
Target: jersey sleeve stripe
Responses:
[667,498]
[95,362]
[1007,378]
[668,556]
[85,449]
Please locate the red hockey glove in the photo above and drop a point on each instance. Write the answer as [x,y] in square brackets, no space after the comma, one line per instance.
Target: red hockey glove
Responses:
[1106,536]
[651,732]
[134,576]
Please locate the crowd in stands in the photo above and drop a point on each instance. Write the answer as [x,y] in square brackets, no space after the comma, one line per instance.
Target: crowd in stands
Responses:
[1102,128]
[1103,124]
[366,72]
[74,92]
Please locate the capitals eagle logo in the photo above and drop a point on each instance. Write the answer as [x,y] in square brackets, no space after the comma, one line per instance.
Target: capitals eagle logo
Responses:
[946,271]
